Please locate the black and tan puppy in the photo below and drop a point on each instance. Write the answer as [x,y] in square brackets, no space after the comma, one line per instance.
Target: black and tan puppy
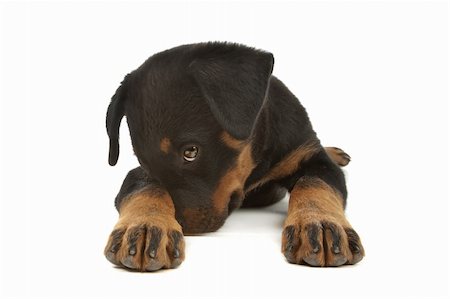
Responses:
[214,130]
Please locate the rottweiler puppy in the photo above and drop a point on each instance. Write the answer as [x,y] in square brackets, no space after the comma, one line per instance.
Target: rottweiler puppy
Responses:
[214,130]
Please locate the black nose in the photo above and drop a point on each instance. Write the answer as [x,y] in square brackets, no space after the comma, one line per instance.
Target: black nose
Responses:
[235,202]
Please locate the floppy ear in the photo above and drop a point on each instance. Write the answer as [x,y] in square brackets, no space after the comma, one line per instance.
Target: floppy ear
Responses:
[114,115]
[234,81]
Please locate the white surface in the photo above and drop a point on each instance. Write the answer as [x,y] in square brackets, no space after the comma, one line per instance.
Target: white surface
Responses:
[372,75]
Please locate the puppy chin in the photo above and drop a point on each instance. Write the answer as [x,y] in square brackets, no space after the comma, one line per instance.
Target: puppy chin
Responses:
[202,220]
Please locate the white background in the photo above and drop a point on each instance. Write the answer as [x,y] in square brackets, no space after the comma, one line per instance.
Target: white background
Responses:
[372,75]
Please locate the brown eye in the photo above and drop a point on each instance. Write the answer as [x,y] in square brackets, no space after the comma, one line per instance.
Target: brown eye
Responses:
[190,153]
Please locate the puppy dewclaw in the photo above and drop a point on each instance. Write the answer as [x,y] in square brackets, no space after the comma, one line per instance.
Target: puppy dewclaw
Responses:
[214,130]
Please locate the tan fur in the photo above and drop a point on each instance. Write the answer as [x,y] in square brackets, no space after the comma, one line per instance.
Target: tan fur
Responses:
[315,202]
[289,164]
[202,220]
[234,178]
[193,217]
[165,145]
[146,201]
[312,201]
[330,257]
[147,209]
[338,156]
[305,249]
[232,142]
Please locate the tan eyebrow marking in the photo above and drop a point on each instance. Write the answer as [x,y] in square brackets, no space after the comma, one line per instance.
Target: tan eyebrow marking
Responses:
[164,145]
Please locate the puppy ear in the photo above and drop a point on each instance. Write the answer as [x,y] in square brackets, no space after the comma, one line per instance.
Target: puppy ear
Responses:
[234,81]
[114,115]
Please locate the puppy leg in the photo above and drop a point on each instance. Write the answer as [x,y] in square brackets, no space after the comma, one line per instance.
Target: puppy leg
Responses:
[338,156]
[265,195]
[316,231]
[147,236]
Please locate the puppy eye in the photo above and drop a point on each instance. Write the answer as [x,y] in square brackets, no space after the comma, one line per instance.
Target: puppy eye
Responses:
[190,153]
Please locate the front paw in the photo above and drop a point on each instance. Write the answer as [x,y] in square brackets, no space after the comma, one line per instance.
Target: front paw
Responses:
[320,242]
[147,244]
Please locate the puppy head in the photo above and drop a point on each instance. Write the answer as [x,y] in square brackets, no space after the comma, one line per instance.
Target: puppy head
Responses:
[191,112]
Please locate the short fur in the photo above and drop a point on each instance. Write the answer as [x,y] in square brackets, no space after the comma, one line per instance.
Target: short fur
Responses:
[255,143]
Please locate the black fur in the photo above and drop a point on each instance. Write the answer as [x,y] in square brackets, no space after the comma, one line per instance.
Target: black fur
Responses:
[265,195]
[313,231]
[176,237]
[133,237]
[319,166]
[190,95]
[155,239]
[282,126]
[291,243]
[114,115]
[136,180]
[234,81]
[235,202]
[117,236]
[335,237]
[353,240]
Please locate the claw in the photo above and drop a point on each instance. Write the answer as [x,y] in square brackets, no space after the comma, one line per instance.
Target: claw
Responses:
[313,234]
[291,243]
[176,253]
[312,260]
[339,261]
[355,247]
[116,241]
[153,265]
[155,238]
[110,256]
[128,262]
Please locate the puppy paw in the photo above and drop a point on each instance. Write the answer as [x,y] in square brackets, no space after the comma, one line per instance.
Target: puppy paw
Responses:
[322,243]
[148,244]
[339,157]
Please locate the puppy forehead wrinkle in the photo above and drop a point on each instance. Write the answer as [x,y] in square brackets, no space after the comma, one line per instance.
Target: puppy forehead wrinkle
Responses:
[165,145]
